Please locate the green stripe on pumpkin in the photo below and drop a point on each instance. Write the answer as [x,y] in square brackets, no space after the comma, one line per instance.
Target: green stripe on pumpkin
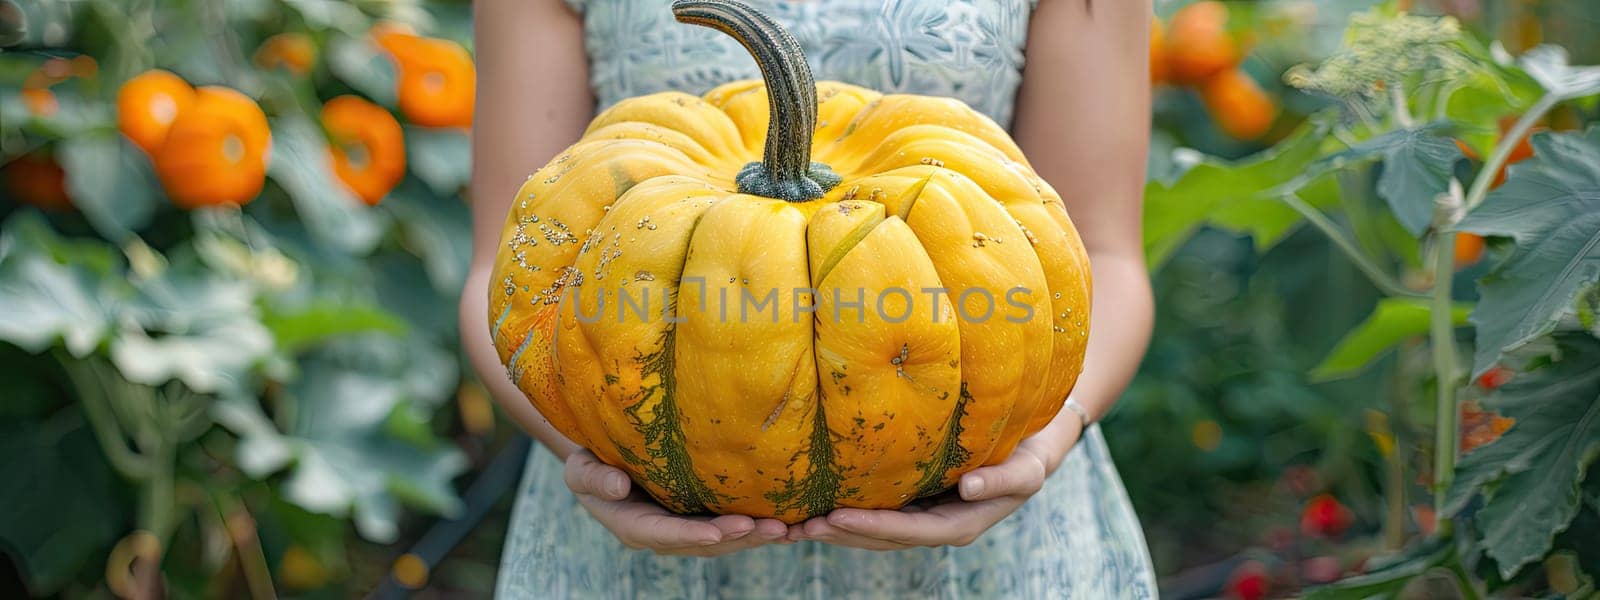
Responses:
[818,492]
[669,466]
[950,453]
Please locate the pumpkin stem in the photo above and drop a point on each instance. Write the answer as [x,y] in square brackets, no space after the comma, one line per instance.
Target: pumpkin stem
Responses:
[785,171]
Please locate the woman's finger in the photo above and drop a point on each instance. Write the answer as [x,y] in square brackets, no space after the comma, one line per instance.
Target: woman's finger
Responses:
[664,531]
[585,474]
[950,524]
[766,531]
[820,529]
[1021,474]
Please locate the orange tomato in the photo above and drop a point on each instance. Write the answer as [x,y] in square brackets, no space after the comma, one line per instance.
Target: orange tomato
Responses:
[388,34]
[216,151]
[1469,249]
[37,179]
[1198,45]
[1158,56]
[437,83]
[148,104]
[85,67]
[293,52]
[1239,106]
[40,102]
[1520,152]
[368,150]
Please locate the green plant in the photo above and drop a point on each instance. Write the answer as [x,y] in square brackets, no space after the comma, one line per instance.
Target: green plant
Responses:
[219,363]
[1532,311]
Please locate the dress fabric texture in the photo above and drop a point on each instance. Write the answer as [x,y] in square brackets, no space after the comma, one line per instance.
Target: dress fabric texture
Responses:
[1076,538]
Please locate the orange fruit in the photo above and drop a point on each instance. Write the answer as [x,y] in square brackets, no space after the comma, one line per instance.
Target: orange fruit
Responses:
[40,102]
[216,151]
[37,179]
[148,104]
[390,33]
[85,67]
[368,149]
[1158,57]
[1469,249]
[292,51]
[437,83]
[1239,106]
[1198,45]
[1520,152]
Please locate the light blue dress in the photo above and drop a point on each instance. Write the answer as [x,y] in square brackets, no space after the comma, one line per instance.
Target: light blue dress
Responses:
[1077,538]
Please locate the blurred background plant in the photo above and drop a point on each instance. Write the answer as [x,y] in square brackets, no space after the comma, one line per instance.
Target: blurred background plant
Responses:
[233,237]
[1301,370]
[233,232]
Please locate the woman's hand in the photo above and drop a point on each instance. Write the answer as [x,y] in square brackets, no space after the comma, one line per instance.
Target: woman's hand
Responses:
[640,523]
[987,495]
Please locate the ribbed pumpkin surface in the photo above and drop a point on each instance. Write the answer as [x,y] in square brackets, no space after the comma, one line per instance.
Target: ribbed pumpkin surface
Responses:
[773,411]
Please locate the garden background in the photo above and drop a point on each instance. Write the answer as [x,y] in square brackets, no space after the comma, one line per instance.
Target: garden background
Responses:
[248,383]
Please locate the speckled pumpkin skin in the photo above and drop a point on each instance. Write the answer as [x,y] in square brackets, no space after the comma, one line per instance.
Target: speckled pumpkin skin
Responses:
[788,414]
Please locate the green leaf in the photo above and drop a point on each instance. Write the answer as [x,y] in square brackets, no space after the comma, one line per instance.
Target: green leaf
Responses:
[1267,220]
[109,183]
[437,229]
[1172,212]
[301,327]
[1388,578]
[345,459]
[359,62]
[441,158]
[194,327]
[1417,167]
[333,14]
[1532,475]
[1394,320]
[1550,207]
[1547,64]
[63,507]
[47,295]
[334,216]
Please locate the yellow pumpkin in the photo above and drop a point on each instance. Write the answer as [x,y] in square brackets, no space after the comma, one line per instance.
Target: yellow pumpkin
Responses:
[746,331]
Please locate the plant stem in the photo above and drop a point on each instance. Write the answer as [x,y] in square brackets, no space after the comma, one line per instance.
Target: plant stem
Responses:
[128,463]
[1469,591]
[1441,334]
[1402,112]
[158,498]
[1502,150]
[1386,283]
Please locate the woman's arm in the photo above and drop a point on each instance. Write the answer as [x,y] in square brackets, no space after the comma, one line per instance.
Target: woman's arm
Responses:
[533,102]
[1083,120]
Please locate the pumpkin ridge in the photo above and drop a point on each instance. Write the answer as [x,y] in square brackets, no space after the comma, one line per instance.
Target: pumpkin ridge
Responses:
[845,245]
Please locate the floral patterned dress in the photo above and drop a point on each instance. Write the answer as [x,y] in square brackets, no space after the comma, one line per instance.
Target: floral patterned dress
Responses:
[1077,538]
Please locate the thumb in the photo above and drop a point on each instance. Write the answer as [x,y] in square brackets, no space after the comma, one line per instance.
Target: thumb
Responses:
[585,474]
[1022,474]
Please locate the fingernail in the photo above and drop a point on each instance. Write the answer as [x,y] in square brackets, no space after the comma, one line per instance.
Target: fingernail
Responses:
[709,541]
[974,488]
[617,483]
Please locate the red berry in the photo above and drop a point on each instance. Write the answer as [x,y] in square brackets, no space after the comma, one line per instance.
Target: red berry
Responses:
[1248,582]
[1495,377]
[1324,516]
